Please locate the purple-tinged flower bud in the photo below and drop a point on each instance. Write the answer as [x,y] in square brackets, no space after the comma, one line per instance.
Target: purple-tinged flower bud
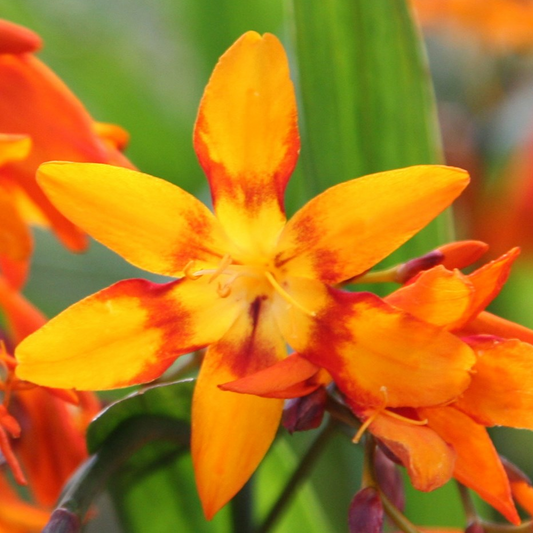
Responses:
[366,512]
[389,478]
[474,527]
[301,414]
[62,521]
[414,266]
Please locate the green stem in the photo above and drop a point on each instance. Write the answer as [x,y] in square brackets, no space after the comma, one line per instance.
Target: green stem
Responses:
[299,475]
[489,527]
[468,504]
[242,509]
[92,476]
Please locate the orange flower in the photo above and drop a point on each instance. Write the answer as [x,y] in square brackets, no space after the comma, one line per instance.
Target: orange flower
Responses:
[437,442]
[42,434]
[498,23]
[500,390]
[40,120]
[249,281]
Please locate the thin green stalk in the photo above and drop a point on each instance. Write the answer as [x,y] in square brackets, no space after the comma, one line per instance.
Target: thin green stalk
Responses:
[468,504]
[300,474]
[242,509]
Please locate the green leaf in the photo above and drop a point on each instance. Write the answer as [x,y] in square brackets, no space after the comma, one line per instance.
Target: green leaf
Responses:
[367,100]
[169,400]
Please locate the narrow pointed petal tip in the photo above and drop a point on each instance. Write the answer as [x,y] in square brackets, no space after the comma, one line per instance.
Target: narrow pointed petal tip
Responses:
[148,221]
[246,137]
[127,334]
[232,432]
[374,214]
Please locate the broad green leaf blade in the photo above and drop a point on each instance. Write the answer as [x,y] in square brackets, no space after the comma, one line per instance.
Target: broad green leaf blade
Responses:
[367,100]
[170,400]
[154,490]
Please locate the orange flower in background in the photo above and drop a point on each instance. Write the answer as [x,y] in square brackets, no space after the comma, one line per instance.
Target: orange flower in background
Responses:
[249,281]
[436,443]
[500,24]
[40,120]
[42,431]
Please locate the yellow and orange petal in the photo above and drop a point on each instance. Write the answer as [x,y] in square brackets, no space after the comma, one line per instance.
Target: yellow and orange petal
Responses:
[126,334]
[477,465]
[370,344]
[500,391]
[449,298]
[352,226]
[428,459]
[246,138]
[148,221]
[232,432]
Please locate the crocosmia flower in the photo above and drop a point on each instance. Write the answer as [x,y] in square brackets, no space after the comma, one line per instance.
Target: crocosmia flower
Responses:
[249,282]
[43,120]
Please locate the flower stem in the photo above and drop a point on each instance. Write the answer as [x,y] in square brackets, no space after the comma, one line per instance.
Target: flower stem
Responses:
[299,475]
[242,509]
[468,504]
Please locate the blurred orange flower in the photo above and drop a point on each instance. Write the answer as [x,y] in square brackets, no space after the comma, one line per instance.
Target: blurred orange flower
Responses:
[500,24]
[42,431]
[40,120]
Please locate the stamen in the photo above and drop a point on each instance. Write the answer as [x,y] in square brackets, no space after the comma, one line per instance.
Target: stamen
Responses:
[224,290]
[187,270]
[225,263]
[286,296]
[392,414]
[364,427]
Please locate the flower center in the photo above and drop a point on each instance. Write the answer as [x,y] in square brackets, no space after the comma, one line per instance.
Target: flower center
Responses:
[227,273]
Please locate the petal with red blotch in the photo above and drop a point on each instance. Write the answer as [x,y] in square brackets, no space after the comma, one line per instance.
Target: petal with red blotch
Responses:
[478,465]
[246,138]
[488,324]
[126,334]
[287,379]
[500,391]
[374,352]
[438,296]
[350,227]
[232,432]
[15,39]
[15,237]
[22,317]
[148,221]
[428,459]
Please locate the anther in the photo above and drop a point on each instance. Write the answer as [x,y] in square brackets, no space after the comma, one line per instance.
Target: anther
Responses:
[187,270]
[224,290]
